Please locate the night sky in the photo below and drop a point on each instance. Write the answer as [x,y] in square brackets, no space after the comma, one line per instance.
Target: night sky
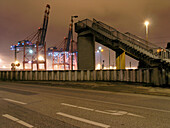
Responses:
[20,18]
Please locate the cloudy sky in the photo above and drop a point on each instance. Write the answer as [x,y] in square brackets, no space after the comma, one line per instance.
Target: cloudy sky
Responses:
[19,18]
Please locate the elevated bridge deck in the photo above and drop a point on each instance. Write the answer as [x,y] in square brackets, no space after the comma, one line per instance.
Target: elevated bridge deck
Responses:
[148,54]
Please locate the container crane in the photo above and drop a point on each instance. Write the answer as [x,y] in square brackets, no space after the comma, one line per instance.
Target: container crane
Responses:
[34,46]
[61,54]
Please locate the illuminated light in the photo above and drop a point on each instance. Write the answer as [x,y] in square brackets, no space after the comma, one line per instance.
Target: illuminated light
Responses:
[16,62]
[3,66]
[31,51]
[131,68]
[102,50]
[0,60]
[17,49]
[29,62]
[40,58]
[158,50]
[146,23]
[105,68]
[22,43]
[98,66]
[97,51]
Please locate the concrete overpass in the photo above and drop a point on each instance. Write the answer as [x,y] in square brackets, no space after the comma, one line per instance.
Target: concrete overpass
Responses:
[148,54]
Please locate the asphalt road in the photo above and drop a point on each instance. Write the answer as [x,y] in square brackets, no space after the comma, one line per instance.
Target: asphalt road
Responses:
[36,106]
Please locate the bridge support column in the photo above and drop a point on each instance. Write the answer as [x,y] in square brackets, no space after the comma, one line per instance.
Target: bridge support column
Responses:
[86,52]
[120,59]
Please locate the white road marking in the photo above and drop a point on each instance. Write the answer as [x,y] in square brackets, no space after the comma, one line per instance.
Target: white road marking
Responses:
[10,117]
[109,112]
[69,105]
[17,120]
[120,104]
[105,102]
[10,100]
[74,106]
[84,120]
[86,108]
[116,114]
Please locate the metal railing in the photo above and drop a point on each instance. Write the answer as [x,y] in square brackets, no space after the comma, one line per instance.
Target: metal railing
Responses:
[145,46]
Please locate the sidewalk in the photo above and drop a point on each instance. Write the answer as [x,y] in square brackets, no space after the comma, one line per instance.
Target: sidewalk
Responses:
[136,88]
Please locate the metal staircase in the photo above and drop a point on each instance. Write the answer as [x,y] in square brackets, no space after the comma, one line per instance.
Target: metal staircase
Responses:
[136,47]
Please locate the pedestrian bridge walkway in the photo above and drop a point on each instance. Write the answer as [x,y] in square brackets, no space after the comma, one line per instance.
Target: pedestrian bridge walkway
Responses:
[147,53]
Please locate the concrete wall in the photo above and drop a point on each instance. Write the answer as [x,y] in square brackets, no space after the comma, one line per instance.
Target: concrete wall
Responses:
[152,76]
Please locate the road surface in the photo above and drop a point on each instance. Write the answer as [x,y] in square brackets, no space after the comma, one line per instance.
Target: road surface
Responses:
[36,106]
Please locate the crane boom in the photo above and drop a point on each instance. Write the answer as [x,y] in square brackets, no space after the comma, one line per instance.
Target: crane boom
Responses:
[45,25]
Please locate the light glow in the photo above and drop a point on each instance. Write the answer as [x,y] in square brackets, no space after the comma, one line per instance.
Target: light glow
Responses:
[31,51]
[100,48]
[98,66]
[40,58]
[16,62]
[146,23]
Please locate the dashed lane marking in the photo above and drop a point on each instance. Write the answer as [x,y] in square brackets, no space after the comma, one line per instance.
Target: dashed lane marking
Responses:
[14,101]
[84,120]
[109,112]
[18,120]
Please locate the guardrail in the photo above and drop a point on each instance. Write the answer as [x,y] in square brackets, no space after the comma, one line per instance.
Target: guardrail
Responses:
[151,76]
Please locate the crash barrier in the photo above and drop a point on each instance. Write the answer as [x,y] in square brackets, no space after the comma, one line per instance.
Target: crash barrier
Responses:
[153,76]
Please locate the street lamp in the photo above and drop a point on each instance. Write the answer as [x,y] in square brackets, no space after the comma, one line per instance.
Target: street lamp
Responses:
[72,17]
[99,50]
[147,31]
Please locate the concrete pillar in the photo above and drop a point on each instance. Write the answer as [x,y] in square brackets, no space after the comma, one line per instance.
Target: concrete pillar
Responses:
[94,75]
[108,75]
[70,75]
[36,75]
[86,52]
[155,76]
[82,75]
[21,75]
[120,59]
[88,75]
[58,75]
[101,75]
[64,76]
[76,77]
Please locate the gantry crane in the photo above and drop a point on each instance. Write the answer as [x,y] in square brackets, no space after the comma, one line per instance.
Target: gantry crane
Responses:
[34,46]
[62,54]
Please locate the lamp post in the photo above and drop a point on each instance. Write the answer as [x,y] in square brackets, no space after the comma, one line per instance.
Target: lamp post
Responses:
[72,17]
[100,50]
[147,31]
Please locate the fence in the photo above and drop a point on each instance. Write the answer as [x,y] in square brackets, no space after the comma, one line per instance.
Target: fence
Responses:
[150,76]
